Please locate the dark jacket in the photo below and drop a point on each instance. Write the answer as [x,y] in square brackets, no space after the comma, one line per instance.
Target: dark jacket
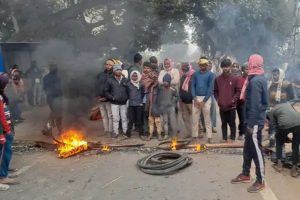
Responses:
[136,95]
[116,92]
[227,90]
[52,85]
[185,96]
[256,101]
[101,82]
[152,103]
[167,99]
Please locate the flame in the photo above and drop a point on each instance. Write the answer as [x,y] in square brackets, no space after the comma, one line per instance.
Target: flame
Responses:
[197,147]
[105,148]
[174,144]
[72,143]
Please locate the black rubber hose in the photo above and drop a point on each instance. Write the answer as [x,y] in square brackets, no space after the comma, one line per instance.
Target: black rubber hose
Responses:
[156,163]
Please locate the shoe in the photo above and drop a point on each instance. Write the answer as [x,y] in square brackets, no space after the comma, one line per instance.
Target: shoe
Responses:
[278,166]
[241,178]
[210,141]
[8,181]
[201,136]
[160,138]
[241,137]
[223,141]
[166,137]
[214,130]
[295,171]
[4,187]
[256,187]
[125,136]
[231,141]
[114,136]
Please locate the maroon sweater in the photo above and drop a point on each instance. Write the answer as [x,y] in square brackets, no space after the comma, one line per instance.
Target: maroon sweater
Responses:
[227,91]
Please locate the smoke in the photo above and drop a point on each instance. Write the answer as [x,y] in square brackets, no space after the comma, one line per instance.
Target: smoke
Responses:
[241,30]
[78,72]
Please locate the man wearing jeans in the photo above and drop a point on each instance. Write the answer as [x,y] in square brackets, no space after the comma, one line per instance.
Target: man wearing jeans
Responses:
[202,90]
[116,92]
[104,104]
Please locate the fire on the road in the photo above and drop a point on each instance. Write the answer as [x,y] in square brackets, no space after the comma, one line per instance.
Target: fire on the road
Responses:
[72,142]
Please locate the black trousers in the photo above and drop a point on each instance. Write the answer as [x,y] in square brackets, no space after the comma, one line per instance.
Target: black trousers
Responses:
[228,117]
[135,116]
[241,114]
[281,135]
[253,151]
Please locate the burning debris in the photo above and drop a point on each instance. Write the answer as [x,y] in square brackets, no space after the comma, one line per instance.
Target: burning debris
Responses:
[71,142]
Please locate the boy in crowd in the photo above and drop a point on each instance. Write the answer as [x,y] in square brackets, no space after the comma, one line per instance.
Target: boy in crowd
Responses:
[167,102]
[227,91]
[152,108]
[149,78]
[116,92]
[135,105]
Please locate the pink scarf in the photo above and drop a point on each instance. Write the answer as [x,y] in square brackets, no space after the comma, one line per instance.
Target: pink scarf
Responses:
[255,67]
[188,76]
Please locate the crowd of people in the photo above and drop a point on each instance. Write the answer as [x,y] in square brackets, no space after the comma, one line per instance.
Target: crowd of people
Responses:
[149,99]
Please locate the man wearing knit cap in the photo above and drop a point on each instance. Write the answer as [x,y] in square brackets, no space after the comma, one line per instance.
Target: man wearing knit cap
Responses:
[255,93]
[202,90]
[116,92]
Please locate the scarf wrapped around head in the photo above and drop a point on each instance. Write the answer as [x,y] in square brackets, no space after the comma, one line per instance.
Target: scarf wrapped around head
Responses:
[171,64]
[255,67]
[279,85]
[188,76]
[137,82]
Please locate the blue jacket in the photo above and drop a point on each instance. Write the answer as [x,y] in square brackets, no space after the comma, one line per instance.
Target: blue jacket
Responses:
[256,100]
[203,84]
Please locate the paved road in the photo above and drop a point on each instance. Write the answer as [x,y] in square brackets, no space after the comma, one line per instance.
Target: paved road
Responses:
[115,176]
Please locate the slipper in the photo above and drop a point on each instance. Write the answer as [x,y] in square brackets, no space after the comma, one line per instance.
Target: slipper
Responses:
[9,181]
[4,187]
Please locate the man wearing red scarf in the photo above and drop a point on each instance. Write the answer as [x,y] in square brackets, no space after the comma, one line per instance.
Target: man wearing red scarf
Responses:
[255,93]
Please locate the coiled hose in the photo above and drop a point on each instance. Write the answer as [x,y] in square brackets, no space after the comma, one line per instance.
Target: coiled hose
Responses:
[163,163]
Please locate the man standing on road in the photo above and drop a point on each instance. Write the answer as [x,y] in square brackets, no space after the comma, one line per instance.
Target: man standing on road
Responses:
[227,91]
[104,104]
[53,89]
[255,93]
[202,90]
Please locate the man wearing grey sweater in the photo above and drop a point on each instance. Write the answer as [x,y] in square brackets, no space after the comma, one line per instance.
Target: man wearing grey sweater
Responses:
[286,119]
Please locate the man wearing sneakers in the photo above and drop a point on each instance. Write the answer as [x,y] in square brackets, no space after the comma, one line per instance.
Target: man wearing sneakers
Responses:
[254,92]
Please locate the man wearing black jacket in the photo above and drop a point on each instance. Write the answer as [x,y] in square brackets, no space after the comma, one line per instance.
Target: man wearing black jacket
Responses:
[116,92]
[104,104]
